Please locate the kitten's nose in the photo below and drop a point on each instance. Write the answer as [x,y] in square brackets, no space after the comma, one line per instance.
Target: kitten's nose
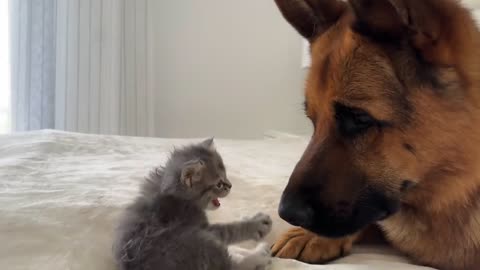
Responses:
[227,185]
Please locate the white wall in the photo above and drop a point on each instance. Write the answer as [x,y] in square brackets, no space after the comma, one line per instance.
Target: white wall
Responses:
[473,4]
[476,13]
[226,68]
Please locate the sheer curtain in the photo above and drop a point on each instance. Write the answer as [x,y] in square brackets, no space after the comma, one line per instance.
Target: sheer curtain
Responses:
[82,65]
[4,69]
[33,63]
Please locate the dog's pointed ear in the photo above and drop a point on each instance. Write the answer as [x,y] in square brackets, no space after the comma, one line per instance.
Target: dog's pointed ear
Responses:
[434,27]
[311,17]
[379,19]
[428,25]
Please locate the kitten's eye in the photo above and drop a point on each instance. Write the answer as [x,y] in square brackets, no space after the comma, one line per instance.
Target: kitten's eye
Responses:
[352,121]
[219,185]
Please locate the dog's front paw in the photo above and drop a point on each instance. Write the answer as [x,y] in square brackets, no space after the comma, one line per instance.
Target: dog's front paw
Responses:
[308,247]
[261,225]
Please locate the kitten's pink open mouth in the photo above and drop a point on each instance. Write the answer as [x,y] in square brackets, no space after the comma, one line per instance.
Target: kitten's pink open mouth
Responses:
[216,202]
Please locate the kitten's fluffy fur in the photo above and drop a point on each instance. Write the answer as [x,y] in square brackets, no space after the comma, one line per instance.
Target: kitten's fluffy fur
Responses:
[166,227]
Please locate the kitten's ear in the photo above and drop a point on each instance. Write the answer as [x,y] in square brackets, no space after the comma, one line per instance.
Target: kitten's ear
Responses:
[209,144]
[192,172]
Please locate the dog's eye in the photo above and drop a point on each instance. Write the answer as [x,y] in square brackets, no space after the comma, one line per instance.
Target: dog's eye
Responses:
[353,121]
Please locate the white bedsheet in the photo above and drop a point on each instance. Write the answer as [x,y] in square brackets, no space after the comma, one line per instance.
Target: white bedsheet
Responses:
[61,193]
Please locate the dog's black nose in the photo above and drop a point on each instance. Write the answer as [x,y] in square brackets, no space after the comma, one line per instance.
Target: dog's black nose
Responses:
[295,211]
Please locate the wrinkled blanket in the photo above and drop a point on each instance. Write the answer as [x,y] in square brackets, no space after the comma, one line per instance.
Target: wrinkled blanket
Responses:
[61,194]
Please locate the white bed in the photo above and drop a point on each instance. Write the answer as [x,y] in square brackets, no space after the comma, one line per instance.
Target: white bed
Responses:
[61,193]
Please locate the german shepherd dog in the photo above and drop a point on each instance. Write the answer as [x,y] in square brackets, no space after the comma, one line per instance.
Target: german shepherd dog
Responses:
[393,93]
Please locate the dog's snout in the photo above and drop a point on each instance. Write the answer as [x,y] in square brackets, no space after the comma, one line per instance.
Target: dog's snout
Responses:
[295,211]
[342,208]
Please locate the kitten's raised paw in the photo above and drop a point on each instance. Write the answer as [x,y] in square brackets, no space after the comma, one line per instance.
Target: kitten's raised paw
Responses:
[256,259]
[263,249]
[261,225]
[257,262]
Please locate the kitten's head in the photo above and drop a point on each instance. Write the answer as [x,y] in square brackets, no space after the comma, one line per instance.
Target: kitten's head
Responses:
[200,174]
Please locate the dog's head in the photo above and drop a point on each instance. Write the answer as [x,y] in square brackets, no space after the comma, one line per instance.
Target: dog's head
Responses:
[392,93]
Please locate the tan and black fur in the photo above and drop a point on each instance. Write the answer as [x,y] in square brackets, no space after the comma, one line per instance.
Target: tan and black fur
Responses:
[394,96]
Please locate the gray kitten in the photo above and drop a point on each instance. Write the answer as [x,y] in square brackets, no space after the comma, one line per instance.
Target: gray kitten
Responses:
[166,227]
